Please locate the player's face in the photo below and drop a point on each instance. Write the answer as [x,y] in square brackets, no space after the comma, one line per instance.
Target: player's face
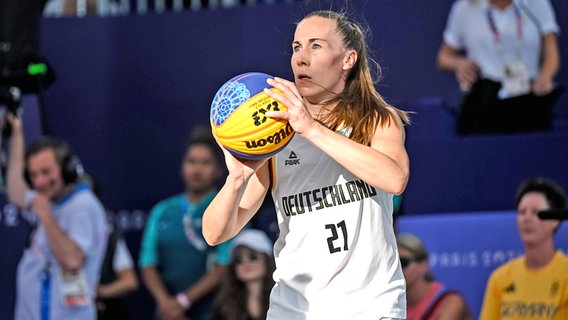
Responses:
[532,229]
[318,59]
[45,174]
[199,168]
[249,265]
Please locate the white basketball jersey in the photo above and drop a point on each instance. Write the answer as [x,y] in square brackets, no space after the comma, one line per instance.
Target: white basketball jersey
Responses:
[336,254]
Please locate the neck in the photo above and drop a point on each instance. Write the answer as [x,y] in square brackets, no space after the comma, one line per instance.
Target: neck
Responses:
[254,297]
[64,191]
[254,288]
[538,256]
[318,111]
[501,4]
[197,195]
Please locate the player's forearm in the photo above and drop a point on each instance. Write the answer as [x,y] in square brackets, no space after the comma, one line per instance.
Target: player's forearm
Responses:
[220,219]
[386,171]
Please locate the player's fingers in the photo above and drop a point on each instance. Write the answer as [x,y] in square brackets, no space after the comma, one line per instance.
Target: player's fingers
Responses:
[287,87]
[282,98]
[278,115]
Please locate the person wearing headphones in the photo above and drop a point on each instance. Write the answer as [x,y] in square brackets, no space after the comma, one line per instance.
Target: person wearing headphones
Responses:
[58,272]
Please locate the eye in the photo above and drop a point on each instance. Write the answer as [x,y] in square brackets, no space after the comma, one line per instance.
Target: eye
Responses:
[316,46]
[296,48]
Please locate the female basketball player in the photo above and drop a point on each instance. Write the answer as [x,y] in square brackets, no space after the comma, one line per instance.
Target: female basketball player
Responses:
[336,254]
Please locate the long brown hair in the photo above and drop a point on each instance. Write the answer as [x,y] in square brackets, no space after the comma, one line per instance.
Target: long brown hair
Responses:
[359,106]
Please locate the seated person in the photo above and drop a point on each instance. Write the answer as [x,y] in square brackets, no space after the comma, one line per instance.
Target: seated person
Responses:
[247,284]
[426,298]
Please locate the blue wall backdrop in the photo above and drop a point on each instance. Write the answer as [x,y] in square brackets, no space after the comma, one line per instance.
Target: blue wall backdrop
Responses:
[130,89]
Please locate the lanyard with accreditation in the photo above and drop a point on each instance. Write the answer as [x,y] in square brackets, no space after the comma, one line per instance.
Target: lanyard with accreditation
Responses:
[515,74]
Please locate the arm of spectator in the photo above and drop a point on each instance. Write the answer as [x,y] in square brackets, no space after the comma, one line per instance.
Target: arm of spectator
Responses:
[66,251]
[206,284]
[168,306]
[126,282]
[123,266]
[16,185]
[466,70]
[550,64]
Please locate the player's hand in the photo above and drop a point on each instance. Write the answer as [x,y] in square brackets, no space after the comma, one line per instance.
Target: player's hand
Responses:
[238,166]
[297,115]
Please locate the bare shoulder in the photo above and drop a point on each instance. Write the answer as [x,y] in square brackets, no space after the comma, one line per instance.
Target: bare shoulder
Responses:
[393,125]
[454,307]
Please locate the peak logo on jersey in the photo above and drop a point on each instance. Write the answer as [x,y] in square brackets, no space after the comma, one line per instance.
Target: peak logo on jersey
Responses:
[292,159]
[275,138]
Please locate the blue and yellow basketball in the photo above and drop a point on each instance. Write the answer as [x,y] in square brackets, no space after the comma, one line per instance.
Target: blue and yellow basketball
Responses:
[238,121]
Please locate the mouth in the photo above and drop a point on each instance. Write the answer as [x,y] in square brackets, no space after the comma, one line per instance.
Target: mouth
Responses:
[303,77]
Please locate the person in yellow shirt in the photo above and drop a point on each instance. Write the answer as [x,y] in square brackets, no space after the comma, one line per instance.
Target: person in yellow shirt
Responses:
[534,285]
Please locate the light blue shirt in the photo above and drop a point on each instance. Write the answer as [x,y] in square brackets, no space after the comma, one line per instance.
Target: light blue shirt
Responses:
[82,217]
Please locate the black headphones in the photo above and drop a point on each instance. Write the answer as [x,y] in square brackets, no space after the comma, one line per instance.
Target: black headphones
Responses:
[70,165]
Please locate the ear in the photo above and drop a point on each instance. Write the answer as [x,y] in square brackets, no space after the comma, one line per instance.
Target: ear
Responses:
[350,59]
[557,224]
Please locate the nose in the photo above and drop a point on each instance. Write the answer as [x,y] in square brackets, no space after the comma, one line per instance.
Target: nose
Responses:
[529,216]
[301,58]
[38,181]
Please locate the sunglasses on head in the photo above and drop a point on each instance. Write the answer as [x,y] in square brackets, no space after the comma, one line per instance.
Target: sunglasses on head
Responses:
[241,258]
[405,261]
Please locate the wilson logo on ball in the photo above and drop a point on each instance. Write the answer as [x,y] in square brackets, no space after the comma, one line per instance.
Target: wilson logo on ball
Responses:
[275,139]
[238,118]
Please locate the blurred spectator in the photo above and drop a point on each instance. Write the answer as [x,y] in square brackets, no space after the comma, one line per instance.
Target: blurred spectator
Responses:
[505,66]
[180,270]
[426,298]
[534,285]
[57,8]
[246,287]
[59,270]
[118,277]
